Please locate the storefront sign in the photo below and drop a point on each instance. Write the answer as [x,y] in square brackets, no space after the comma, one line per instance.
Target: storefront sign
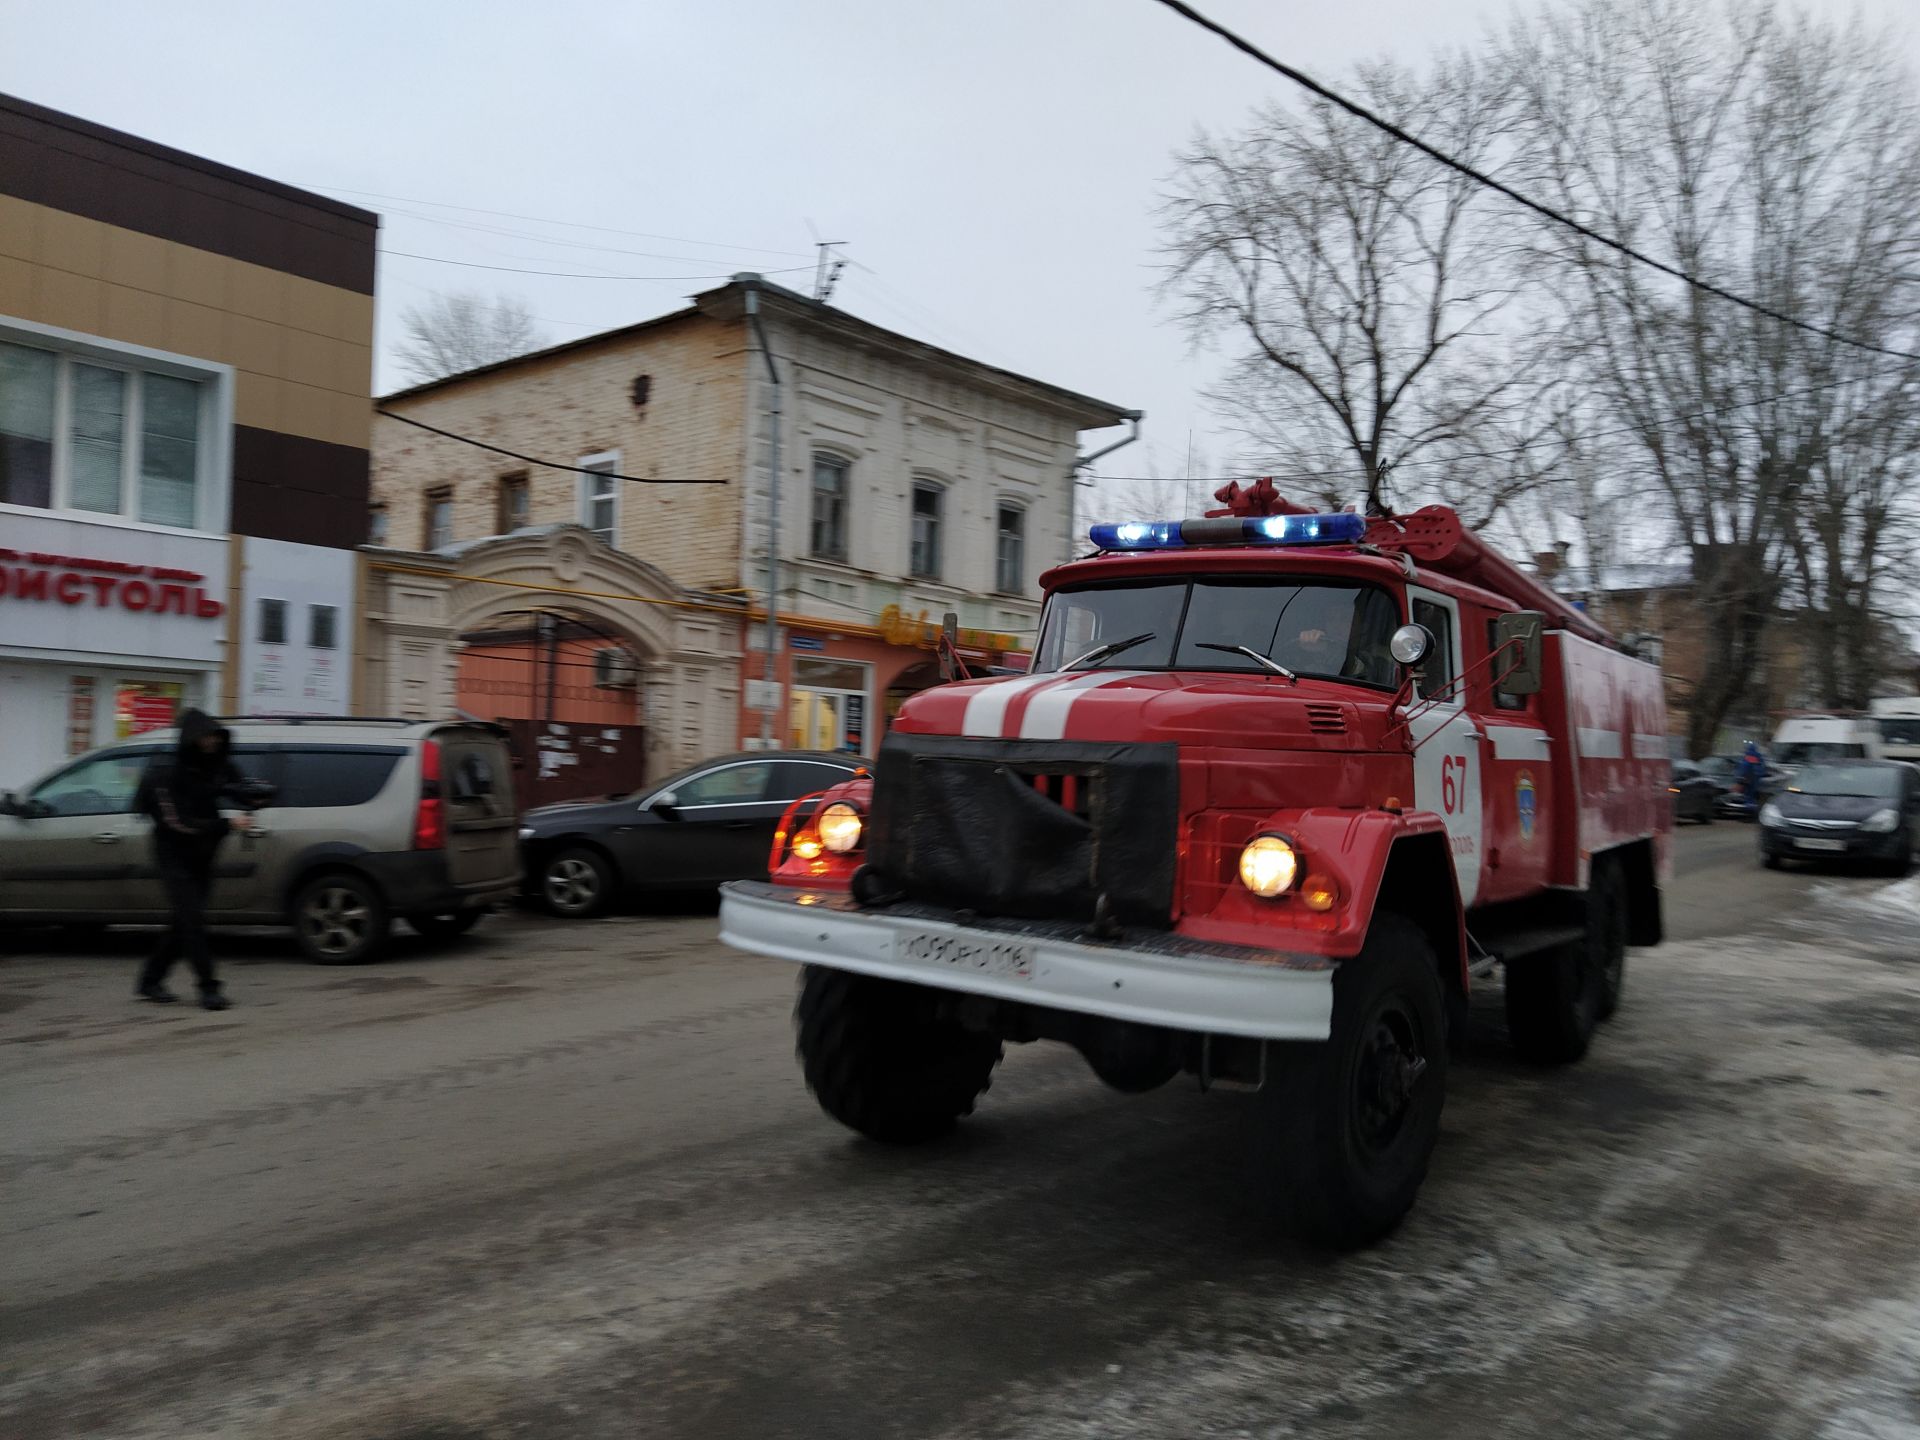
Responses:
[808,642]
[899,628]
[71,580]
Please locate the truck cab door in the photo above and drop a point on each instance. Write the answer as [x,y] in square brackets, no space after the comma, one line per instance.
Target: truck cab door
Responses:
[1447,758]
[1518,786]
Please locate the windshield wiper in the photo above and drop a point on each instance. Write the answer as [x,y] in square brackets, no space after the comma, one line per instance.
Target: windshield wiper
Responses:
[1111,648]
[1252,654]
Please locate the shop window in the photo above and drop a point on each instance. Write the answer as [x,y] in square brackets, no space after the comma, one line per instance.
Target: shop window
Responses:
[516,504]
[1010,552]
[322,622]
[273,622]
[377,525]
[600,496]
[437,524]
[923,555]
[827,706]
[143,705]
[82,433]
[829,537]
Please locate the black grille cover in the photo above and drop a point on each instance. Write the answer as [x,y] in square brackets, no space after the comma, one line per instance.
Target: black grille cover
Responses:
[1035,829]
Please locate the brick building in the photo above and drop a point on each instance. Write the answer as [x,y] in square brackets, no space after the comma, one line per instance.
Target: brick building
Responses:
[185,373]
[913,482]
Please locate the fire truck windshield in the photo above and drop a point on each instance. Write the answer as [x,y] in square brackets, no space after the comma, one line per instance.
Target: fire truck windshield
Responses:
[1332,630]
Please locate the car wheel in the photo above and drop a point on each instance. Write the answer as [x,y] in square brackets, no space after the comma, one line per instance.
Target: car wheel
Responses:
[1770,860]
[576,883]
[444,927]
[340,919]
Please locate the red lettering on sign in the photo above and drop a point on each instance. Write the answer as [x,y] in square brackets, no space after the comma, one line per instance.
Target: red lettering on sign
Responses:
[206,607]
[173,600]
[102,588]
[136,595]
[30,584]
[69,589]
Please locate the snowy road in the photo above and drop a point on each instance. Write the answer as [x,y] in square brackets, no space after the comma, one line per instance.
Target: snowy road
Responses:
[565,1182]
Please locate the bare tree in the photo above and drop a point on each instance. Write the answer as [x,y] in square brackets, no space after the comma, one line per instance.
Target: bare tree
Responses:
[453,333]
[1359,291]
[1775,156]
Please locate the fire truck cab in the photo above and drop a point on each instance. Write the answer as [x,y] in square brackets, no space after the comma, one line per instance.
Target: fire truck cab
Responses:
[1280,789]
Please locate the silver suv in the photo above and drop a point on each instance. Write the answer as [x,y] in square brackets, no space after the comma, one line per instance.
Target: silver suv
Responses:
[370,820]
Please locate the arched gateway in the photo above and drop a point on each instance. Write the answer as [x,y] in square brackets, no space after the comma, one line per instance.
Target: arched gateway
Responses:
[512,628]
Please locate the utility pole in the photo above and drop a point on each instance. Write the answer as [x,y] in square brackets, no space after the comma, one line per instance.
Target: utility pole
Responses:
[771,672]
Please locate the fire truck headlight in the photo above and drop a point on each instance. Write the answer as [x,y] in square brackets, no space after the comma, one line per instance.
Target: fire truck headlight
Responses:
[1268,865]
[839,826]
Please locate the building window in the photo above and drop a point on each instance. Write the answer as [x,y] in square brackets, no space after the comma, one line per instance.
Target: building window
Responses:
[377,525]
[322,621]
[923,555]
[437,526]
[87,434]
[515,504]
[1010,550]
[830,507]
[600,496]
[273,622]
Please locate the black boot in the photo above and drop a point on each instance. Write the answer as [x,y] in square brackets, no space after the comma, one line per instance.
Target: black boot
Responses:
[214,1000]
[158,994]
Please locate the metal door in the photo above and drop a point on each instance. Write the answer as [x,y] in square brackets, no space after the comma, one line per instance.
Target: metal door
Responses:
[1447,760]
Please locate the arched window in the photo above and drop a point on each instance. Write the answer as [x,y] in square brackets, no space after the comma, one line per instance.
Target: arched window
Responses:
[1010,548]
[923,550]
[829,513]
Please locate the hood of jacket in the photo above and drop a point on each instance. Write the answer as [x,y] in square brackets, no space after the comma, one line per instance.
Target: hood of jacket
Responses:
[196,725]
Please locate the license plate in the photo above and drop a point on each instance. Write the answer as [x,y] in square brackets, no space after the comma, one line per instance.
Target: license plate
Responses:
[1820,844]
[1008,959]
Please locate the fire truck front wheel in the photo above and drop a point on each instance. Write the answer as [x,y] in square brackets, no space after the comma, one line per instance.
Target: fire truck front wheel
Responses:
[881,1060]
[1348,1124]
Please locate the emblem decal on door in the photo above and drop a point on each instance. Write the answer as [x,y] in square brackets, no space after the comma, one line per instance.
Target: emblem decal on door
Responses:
[1523,803]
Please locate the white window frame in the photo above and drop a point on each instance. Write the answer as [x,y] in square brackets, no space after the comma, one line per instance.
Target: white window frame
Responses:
[213,448]
[607,461]
[846,464]
[941,489]
[1024,510]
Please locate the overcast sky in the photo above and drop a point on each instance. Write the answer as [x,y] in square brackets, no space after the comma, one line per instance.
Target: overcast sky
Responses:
[991,164]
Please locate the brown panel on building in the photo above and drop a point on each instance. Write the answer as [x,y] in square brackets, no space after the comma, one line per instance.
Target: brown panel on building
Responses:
[287,487]
[87,169]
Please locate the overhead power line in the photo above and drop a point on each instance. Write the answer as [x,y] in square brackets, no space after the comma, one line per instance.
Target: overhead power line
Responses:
[532,460]
[1480,177]
[1575,438]
[572,274]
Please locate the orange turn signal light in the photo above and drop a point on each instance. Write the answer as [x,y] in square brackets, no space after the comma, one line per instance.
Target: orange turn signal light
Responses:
[1318,893]
[808,846]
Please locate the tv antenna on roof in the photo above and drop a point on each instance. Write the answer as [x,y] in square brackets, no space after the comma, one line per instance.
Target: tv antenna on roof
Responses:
[826,272]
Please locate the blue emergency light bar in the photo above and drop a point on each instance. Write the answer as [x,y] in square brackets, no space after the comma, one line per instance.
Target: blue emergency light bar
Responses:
[1343,528]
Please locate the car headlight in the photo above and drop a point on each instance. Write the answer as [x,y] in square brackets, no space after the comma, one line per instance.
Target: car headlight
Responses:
[1770,814]
[526,832]
[839,826]
[1268,865]
[1882,822]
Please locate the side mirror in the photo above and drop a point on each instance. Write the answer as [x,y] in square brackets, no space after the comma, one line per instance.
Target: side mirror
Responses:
[1522,630]
[663,805]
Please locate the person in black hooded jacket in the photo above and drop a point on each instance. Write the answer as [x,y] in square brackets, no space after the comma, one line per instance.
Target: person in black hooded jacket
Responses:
[182,793]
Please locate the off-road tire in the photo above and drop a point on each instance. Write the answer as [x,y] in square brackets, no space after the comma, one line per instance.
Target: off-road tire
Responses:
[1347,1126]
[449,926]
[340,919]
[880,1061]
[1557,998]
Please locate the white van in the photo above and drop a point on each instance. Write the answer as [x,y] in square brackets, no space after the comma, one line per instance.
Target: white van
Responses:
[1814,739]
[1899,721]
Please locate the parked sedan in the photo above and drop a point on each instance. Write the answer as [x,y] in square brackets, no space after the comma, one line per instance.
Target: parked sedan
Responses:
[1695,793]
[1858,810]
[710,823]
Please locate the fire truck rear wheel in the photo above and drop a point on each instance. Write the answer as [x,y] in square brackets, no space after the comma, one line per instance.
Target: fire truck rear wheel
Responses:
[1554,1000]
[1348,1125]
[880,1059]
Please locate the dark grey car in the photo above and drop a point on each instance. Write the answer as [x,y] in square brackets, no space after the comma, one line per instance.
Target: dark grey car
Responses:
[708,824]
[1860,810]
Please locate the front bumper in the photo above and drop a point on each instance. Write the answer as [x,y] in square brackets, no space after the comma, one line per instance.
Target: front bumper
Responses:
[1158,980]
[1855,844]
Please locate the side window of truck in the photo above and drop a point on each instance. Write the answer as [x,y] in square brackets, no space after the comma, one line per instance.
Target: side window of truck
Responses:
[1438,667]
[1499,667]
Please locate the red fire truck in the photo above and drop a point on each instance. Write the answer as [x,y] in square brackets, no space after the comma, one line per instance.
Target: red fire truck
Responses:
[1279,789]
